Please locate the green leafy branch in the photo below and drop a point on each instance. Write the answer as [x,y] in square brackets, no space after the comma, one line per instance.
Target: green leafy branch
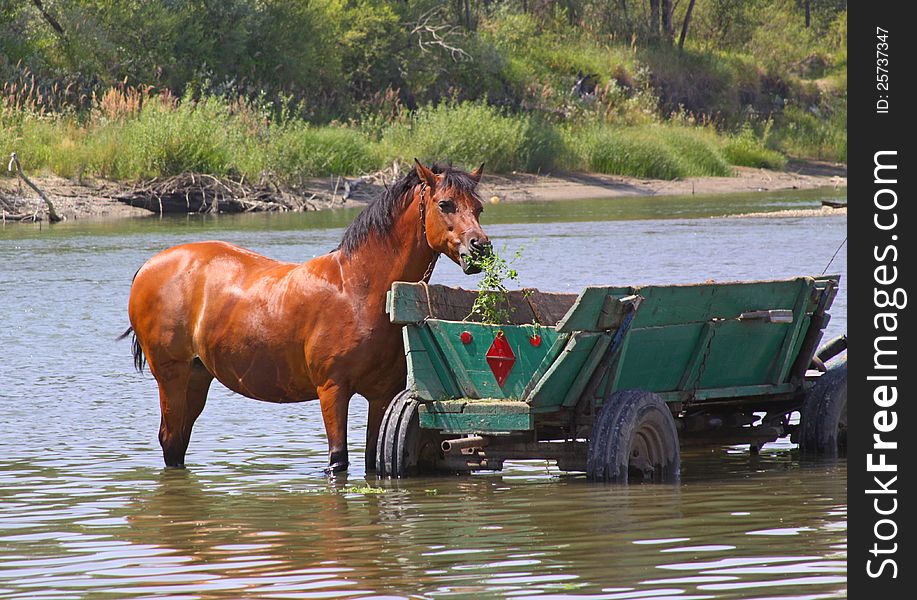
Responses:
[492,305]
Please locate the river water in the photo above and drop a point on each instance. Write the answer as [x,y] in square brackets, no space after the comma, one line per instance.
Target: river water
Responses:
[86,509]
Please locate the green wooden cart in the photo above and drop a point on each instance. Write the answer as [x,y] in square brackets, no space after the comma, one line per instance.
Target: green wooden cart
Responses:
[614,380]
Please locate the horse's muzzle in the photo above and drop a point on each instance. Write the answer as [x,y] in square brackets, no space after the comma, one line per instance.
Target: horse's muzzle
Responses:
[469,261]
[467,267]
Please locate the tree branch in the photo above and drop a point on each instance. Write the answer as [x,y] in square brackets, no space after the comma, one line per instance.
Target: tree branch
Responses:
[53,217]
[54,23]
[438,35]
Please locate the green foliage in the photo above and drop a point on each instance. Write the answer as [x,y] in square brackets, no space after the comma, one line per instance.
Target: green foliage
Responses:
[265,85]
[298,150]
[661,152]
[747,150]
[819,132]
[469,133]
[491,304]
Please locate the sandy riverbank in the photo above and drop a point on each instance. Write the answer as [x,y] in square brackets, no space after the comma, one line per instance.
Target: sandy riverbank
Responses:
[97,199]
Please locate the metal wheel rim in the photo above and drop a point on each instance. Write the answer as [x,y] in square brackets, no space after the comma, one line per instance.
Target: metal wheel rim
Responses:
[648,453]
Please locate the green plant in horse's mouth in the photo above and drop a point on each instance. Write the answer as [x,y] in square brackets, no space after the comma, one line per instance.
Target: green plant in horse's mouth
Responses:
[492,305]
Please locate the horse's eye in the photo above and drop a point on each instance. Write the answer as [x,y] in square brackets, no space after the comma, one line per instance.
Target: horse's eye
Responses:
[447,206]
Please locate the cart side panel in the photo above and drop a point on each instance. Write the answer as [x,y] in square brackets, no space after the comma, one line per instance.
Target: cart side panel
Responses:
[679,304]
[656,358]
[408,303]
[429,376]
[468,362]
[587,312]
[551,390]
[690,338]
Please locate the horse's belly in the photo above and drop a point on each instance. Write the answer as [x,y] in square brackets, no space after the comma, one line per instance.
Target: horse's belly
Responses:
[260,374]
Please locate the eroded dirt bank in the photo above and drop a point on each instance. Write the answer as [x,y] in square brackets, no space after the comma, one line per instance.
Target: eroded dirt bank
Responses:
[99,199]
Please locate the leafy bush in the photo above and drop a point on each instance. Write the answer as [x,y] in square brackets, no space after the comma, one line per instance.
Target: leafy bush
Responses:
[809,135]
[299,150]
[470,133]
[661,152]
[698,149]
[746,150]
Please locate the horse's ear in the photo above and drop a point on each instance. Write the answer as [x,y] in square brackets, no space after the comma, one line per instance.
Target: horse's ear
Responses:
[477,173]
[426,174]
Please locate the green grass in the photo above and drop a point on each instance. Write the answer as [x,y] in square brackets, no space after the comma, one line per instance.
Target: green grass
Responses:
[219,138]
[468,134]
[656,151]
[747,150]
[807,135]
[298,150]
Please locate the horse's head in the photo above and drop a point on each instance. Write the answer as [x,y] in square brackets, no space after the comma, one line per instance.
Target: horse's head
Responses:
[450,209]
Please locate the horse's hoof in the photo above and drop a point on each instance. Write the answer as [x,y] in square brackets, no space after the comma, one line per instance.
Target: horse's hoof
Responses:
[338,461]
[337,467]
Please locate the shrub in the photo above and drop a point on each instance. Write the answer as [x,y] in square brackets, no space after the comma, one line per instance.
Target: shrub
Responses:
[746,150]
[470,133]
[698,149]
[804,134]
[298,150]
[661,152]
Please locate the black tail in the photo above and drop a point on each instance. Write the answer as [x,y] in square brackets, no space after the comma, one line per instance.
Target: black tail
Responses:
[139,358]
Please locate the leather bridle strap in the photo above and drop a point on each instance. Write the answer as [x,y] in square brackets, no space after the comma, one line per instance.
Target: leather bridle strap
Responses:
[423,231]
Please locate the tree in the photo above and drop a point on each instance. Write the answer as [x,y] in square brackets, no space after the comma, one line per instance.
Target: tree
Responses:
[684,26]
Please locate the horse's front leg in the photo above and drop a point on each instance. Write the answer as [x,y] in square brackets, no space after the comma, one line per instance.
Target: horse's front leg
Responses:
[335,400]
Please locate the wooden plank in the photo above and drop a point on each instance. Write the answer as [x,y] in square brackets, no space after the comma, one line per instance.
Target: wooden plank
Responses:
[587,370]
[585,312]
[549,308]
[728,393]
[468,385]
[742,353]
[461,423]
[428,375]
[655,358]
[743,391]
[614,311]
[784,359]
[552,388]
[469,416]
[807,344]
[549,358]
[414,302]
[469,405]
[680,304]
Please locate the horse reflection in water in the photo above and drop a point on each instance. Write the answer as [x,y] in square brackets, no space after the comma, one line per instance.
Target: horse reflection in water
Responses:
[286,332]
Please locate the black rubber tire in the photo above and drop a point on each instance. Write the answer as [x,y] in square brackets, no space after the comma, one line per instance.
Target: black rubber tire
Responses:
[404,448]
[823,422]
[634,440]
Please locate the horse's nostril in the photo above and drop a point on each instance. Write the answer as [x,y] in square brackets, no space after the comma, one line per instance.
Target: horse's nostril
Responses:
[478,246]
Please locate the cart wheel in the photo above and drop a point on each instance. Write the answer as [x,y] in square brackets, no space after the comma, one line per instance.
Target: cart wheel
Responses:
[634,440]
[823,423]
[404,448]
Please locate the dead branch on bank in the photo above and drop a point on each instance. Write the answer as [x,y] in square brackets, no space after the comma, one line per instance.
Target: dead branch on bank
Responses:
[53,217]
[195,193]
[440,34]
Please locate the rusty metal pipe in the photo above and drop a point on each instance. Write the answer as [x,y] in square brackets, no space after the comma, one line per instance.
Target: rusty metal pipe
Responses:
[459,444]
[832,348]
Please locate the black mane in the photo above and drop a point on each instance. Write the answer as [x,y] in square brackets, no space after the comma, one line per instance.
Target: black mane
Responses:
[379,217]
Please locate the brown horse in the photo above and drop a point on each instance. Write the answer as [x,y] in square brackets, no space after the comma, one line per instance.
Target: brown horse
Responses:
[285,332]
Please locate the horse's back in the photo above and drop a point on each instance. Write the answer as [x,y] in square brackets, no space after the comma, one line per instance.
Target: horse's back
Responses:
[175,290]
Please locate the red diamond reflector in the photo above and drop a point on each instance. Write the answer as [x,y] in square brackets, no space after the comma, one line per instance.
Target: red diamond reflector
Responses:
[500,358]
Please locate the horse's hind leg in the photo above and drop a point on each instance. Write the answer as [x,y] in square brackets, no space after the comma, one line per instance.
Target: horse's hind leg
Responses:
[334,401]
[183,391]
